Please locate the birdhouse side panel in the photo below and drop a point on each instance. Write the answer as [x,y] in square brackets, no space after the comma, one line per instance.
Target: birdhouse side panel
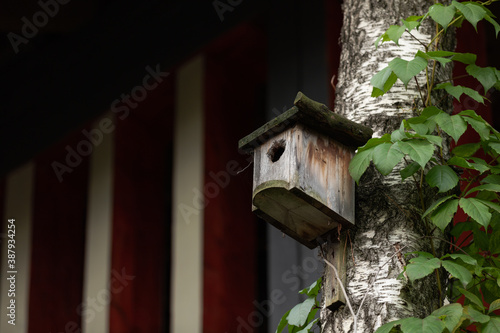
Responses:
[322,173]
[311,167]
[341,187]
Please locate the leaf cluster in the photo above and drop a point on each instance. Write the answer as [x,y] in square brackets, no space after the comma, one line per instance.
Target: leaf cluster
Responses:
[415,149]
[301,318]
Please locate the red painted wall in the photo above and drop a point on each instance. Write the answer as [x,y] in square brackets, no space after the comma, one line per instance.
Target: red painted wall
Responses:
[58,231]
[142,212]
[234,88]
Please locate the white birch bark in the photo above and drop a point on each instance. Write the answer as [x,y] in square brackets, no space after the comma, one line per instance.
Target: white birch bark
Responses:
[387,210]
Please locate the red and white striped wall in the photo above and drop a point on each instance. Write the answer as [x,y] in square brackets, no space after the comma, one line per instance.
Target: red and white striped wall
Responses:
[138,222]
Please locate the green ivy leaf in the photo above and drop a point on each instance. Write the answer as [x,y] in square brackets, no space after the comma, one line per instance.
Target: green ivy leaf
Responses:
[394,33]
[454,126]
[373,142]
[431,111]
[420,269]
[399,134]
[494,23]
[443,61]
[473,115]
[460,161]
[430,324]
[480,164]
[472,12]
[485,75]
[283,322]
[406,70]
[466,150]
[451,313]
[313,289]
[491,205]
[492,326]
[476,210]
[409,170]
[459,228]
[494,244]
[419,150]
[475,316]
[443,177]
[424,124]
[436,204]
[299,313]
[480,127]
[457,271]
[480,238]
[467,259]
[386,156]
[383,81]
[386,328]
[484,187]
[457,91]
[491,179]
[473,299]
[435,139]
[490,290]
[466,58]
[360,163]
[495,305]
[443,214]
[307,329]
[442,14]
[410,25]
[495,146]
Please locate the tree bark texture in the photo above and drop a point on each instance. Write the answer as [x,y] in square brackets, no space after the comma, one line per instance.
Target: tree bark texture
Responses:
[387,209]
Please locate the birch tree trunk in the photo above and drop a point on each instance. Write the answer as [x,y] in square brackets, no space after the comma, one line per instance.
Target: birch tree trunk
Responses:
[387,209]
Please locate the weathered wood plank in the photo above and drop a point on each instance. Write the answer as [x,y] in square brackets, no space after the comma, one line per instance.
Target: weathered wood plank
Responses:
[333,296]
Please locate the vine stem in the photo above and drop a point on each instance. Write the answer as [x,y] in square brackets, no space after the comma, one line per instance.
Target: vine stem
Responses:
[444,240]
[418,40]
[442,30]
[419,91]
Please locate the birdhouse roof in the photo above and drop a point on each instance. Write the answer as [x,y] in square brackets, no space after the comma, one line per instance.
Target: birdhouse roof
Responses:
[314,115]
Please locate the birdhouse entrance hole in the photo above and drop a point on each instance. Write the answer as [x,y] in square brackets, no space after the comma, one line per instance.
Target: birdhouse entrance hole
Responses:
[277,149]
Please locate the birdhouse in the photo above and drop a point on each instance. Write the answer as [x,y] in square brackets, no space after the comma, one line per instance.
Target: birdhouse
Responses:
[301,181]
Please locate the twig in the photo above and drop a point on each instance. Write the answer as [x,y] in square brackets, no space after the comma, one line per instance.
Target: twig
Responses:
[444,240]
[240,171]
[418,40]
[333,83]
[419,91]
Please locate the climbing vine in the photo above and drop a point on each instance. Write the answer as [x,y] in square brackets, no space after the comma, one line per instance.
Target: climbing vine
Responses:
[467,178]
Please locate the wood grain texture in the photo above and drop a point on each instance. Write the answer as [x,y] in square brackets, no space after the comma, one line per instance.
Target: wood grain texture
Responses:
[333,297]
[308,190]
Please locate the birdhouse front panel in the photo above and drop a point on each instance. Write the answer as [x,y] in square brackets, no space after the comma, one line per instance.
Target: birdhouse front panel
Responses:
[301,178]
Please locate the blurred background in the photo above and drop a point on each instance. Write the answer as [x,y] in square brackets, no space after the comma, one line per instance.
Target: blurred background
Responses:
[119,127]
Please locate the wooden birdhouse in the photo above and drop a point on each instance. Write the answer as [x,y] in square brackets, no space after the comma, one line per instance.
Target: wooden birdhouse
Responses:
[301,181]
